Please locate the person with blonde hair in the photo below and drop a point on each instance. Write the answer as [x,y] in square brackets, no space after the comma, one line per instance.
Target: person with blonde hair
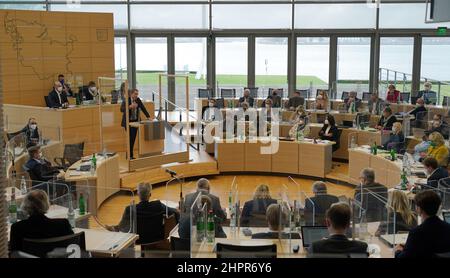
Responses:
[396,139]
[277,217]
[253,212]
[397,205]
[438,149]
[322,100]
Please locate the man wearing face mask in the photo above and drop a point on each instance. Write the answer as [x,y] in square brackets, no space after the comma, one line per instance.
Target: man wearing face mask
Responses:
[31,132]
[57,98]
[439,125]
[89,92]
[66,87]
[427,94]
[387,120]
[39,168]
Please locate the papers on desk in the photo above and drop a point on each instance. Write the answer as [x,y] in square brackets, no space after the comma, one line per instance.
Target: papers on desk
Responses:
[393,240]
[111,241]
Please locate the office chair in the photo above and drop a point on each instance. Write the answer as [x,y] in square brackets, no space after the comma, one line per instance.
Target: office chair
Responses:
[253,91]
[226,251]
[280,91]
[344,95]
[153,240]
[204,93]
[445,101]
[303,93]
[47,101]
[431,97]
[366,96]
[41,247]
[405,96]
[180,247]
[72,153]
[228,93]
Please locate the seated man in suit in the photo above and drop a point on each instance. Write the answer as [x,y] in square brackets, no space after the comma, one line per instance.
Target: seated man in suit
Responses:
[375,104]
[338,221]
[66,88]
[88,92]
[275,98]
[439,125]
[41,170]
[368,194]
[427,94]
[434,172]
[37,226]
[352,103]
[318,205]
[387,120]
[295,101]
[277,218]
[57,98]
[419,113]
[144,191]
[432,236]
[246,98]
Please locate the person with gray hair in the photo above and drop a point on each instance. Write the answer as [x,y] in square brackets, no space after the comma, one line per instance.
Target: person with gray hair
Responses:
[37,225]
[316,207]
[57,98]
[246,98]
[352,99]
[144,191]
[369,195]
[429,96]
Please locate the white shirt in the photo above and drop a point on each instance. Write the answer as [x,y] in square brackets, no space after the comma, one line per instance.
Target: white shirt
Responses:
[328,129]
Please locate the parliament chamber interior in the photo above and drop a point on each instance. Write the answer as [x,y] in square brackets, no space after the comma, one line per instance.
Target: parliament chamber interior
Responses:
[225,129]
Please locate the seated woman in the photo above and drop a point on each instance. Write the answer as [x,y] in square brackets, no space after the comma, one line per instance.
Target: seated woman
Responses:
[398,205]
[393,95]
[330,132]
[421,149]
[277,218]
[396,139]
[387,120]
[438,150]
[254,211]
[300,123]
[31,132]
[322,101]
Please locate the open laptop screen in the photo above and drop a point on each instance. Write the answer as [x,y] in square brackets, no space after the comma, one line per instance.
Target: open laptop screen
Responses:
[312,234]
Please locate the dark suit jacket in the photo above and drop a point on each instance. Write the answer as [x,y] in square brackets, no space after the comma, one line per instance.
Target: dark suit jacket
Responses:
[254,212]
[335,136]
[250,101]
[32,135]
[427,239]
[37,227]
[387,123]
[357,104]
[217,209]
[146,207]
[379,106]
[442,129]
[433,179]
[375,209]
[396,142]
[54,100]
[418,109]
[321,204]
[295,102]
[428,96]
[40,171]
[338,244]
[84,93]
[139,108]
[276,101]
[275,235]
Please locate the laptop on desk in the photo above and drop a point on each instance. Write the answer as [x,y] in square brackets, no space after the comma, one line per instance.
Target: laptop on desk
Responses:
[312,234]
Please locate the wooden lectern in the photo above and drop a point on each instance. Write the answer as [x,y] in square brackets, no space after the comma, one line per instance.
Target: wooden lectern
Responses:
[151,136]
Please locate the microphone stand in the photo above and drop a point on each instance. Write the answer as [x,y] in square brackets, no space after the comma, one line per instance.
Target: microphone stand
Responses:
[181,202]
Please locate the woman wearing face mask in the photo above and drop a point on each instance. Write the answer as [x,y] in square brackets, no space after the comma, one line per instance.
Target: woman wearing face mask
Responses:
[330,132]
[438,150]
[421,149]
[322,101]
[396,139]
[439,125]
[31,132]
[300,123]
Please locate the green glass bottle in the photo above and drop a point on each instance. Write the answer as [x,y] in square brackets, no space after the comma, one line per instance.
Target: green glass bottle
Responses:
[210,228]
[82,205]
[404,180]
[200,227]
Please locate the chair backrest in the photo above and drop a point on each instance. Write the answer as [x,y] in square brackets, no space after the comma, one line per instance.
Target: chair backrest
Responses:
[303,93]
[432,97]
[253,91]
[41,247]
[73,152]
[11,135]
[47,101]
[239,251]
[366,96]
[204,93]
[405,96]
[445,101]
[150,227]
[180,247]
[280,92]
[344,95]
[227,93]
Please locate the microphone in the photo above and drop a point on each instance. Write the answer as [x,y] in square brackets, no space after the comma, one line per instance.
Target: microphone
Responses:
[170,172]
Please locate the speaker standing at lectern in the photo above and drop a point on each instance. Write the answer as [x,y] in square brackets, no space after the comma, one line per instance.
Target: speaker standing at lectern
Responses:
[134,107]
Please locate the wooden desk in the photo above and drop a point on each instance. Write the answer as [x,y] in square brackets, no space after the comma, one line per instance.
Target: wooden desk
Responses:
[104,183]
[149,147]
[75,124]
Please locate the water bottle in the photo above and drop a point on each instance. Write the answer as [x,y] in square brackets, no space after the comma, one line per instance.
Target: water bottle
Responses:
[71,214]
[232,212]
[23,186]
[13,207]
[354,123]
[93,164]
[81,205]
[353,142]
[210,228]
[200,227]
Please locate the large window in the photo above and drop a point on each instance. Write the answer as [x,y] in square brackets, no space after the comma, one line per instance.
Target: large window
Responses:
[190,59]
[271,64]
[435,64]
[120,57]
[396,59]
[231,63]
[353,65]
[405,15]
[151,60]
[313,62]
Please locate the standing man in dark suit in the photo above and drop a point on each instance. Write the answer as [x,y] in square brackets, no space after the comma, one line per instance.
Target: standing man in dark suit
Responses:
[432,236]
[434,171]
[368,195]
[135,105]
[318,205]
[37,226]
[246,98]
[338,221]
[57,98]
